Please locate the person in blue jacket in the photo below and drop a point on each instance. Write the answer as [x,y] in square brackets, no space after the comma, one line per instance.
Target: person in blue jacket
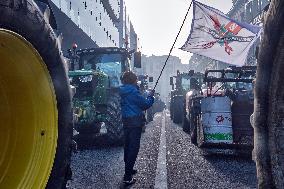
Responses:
[132,106]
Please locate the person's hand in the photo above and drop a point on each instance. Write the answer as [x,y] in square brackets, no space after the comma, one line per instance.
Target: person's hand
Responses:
[151,92]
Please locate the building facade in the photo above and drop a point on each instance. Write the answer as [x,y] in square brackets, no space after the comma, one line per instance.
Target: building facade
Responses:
[254,10]
[254,13]
[93,23]
[152,66]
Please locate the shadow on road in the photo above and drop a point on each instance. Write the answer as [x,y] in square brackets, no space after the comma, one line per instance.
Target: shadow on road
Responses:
[234,166]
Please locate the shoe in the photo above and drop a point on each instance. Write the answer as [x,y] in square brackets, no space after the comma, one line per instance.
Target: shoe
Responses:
[129,182]
[134,171]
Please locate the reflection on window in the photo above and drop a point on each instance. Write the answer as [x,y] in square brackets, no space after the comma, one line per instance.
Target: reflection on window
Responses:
[239,86]
[110,64]
[113,70]
[185,83]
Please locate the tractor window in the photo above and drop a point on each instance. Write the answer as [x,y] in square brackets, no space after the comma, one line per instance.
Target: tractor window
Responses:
[110,64]
[239,86]
[244,86]
[113,70]
[230,85]
[185,83]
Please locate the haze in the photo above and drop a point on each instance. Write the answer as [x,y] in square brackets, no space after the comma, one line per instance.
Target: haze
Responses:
[157,23]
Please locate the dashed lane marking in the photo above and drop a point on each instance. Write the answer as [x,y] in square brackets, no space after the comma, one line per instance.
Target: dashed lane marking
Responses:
[161,171]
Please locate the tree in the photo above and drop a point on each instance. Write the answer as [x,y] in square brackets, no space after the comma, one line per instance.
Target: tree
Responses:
[269,101]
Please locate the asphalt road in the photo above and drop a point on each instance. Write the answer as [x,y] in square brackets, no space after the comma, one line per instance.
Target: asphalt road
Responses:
[166,159]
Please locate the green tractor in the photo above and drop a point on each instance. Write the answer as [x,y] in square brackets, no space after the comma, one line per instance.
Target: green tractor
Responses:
[184,83]
[96,77]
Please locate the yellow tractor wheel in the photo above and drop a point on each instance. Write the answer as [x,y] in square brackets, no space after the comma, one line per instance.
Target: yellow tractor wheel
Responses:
[35,101]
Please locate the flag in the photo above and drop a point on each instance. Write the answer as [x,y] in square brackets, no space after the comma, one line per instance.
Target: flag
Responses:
[215,35]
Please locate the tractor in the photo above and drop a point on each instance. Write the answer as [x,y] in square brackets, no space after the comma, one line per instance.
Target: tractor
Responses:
[184,83]
[218,117]
[96,74]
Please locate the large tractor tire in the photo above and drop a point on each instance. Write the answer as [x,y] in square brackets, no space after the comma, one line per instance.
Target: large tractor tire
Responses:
[171,112]
[171,109]
[113,123]
[193,123]
[178,109]
[185,123]
[35,110]
[199,135]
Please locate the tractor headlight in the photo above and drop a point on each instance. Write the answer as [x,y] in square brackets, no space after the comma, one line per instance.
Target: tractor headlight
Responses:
[78,111]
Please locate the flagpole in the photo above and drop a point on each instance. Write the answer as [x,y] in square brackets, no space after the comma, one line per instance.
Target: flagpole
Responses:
[173,45]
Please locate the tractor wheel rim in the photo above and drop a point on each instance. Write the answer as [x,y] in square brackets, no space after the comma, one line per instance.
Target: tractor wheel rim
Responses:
[28,115]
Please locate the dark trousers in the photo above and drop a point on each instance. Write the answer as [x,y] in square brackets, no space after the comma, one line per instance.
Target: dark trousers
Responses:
[131,148]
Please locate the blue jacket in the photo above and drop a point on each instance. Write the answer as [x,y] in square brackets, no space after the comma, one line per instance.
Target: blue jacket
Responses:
[132,102]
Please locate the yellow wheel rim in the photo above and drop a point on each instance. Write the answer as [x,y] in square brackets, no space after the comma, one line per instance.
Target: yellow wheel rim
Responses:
[28,115]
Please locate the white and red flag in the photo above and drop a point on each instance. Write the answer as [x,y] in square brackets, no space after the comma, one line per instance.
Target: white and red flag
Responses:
[215,35]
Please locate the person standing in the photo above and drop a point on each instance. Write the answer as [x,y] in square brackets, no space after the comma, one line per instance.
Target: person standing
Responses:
[132,106]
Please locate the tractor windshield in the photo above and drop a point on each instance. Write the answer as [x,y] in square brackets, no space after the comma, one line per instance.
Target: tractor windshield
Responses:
[84,85]
[185,83]
[110,64]
[240,85]
[189,83]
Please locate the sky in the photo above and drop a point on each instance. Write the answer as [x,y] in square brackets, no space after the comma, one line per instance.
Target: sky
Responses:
[157,23]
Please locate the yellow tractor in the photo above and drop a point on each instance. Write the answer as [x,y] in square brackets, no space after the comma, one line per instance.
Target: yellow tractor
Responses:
[35,101]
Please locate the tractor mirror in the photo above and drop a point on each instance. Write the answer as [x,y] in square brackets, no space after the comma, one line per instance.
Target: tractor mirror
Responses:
[137,59]
[256,52]
[151,79]
[171,81]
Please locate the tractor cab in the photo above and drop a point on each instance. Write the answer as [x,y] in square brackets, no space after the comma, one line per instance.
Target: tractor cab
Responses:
[187,82]
[111,61]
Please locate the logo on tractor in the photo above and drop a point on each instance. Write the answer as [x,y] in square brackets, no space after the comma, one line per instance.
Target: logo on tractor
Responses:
[220,119]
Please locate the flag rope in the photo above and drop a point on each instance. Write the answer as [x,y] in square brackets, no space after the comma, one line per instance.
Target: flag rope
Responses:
[172,46]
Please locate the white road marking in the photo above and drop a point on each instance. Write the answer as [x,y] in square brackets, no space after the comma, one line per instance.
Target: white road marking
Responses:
[161,171]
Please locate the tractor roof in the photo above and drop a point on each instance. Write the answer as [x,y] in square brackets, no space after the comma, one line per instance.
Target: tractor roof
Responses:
[189,74]
[240,74]
[85,73]
[102,50]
